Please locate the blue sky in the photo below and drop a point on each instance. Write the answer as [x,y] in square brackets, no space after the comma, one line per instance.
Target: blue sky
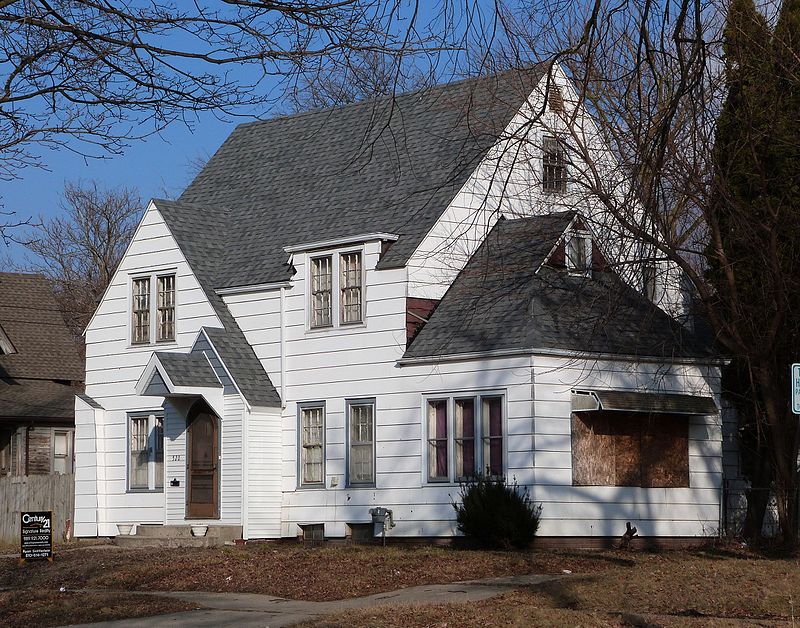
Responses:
[158,166]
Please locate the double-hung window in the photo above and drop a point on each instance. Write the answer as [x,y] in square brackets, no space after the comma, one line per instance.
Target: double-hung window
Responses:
[361,435]
[312,444]
[322,291]
[153,315]
[465,436]
[146,452]
[336,290]
[554,165]
[62,451]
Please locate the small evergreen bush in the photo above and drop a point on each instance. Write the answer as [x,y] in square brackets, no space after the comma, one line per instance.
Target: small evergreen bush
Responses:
[494,514]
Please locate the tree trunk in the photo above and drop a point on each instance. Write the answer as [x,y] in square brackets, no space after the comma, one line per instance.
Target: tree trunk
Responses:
[757,497]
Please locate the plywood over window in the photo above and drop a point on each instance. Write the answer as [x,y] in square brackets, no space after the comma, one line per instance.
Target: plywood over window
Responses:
[630,449]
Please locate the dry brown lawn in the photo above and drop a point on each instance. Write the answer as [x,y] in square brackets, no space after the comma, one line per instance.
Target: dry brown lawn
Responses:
[604,588]
[710,588]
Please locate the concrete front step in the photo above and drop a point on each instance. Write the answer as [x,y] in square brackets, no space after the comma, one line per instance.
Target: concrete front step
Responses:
[150,535]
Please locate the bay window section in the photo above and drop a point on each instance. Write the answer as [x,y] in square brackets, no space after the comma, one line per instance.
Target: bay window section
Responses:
[492,414]
[465,437]
[361,456]
[321,292]
[437,441]
[146,452]
[312,445]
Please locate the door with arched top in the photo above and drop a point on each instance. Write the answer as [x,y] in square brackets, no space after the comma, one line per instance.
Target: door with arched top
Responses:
[202,463]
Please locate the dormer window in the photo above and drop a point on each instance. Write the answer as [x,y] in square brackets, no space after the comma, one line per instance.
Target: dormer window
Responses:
[336,290]
[579,253]
[554,166]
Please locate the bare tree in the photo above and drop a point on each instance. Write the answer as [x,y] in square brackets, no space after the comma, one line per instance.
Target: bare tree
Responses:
[653,78]
[79,250]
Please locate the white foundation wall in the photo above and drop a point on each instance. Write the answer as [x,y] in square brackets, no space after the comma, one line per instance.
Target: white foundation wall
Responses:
[113,367]
[602,511]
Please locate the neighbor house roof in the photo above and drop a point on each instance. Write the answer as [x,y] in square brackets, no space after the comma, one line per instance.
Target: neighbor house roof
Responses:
[391,165]
[29,316]
[508,298]
[35,378]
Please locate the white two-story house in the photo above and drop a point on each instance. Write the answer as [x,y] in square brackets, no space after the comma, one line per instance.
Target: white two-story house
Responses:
[364,306]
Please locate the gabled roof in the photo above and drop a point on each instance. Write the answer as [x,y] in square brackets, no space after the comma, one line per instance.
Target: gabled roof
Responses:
[507,298]
[36,400]
[188,369]
[30,318]
[389,165]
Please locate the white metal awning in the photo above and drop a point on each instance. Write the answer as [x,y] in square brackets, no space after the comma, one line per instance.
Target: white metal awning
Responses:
[645,402]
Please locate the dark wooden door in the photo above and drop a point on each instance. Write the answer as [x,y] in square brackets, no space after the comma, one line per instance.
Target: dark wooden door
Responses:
[202,465]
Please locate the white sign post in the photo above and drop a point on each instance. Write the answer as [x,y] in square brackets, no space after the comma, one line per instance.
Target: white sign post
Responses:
[796,388]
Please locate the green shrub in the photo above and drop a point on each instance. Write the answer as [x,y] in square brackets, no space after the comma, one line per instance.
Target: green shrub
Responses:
[493,514]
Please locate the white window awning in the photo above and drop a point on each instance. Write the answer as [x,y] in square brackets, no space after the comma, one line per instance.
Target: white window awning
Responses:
[645,402]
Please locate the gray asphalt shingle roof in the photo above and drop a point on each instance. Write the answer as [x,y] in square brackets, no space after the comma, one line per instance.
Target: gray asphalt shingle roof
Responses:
[391,165]
[500,302]
[188,369]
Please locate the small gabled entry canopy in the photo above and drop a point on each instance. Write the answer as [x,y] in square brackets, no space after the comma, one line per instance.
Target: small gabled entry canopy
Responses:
[626,401]
[182,375]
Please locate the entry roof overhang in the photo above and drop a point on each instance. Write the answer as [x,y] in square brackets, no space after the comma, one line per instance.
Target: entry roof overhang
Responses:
[170,374]
[645,402]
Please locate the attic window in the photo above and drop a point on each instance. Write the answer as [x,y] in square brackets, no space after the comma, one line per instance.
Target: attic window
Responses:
[554,99]
[554,165]
[579,253]
[6,347]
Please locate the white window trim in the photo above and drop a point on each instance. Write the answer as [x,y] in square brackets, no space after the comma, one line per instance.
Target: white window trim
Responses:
[450,397]
[153,276]
[336,292]
[587,237]
[307,405]
[151,416]
[349,403]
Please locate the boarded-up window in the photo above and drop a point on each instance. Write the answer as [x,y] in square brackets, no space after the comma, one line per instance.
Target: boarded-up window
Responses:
[630,449]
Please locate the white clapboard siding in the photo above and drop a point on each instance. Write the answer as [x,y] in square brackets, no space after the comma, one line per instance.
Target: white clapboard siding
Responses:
[112,370]
[264,496]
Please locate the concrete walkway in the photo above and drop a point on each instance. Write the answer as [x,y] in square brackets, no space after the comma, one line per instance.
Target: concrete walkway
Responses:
[250,610]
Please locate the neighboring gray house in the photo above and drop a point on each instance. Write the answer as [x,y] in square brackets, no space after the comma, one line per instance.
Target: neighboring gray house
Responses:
[40,372]
[362,306]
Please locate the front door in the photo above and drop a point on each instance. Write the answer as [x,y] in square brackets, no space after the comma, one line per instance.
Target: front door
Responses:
[202,464]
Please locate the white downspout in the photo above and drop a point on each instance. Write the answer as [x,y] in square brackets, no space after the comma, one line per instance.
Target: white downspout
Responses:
[283,348]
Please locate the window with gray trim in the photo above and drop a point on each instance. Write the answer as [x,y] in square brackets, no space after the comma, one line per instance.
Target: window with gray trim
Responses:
[361,442]
[146,452]
[312,444]
[322,291]
[465,436]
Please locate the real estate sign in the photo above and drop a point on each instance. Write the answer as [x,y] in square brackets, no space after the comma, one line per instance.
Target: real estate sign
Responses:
[36,535]
[796,388]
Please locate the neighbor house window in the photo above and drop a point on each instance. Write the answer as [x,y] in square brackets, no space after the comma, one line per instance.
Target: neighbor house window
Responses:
[630,449]
[153,317]
[141,310]
[146,452]
[361,456]
[322,291]
[62,451]
[579,252]
[312,445]
[350,271]
[554,166]
[465,436]
[165,321]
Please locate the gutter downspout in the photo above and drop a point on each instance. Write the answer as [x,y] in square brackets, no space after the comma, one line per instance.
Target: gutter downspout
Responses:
[283,348]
